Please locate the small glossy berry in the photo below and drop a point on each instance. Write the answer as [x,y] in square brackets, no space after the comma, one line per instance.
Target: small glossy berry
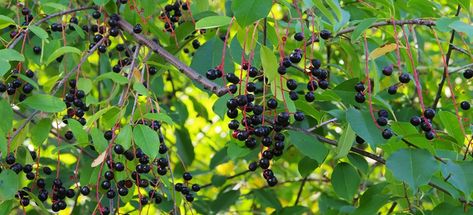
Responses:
[325,34]
[392,89]
[404,78]
[388,70]
[429,135]
[252,166]
[429,113]
[387,133]
[68,135]
[195,187]
[10,159]
[468,73]
[299,116]
[96,14]
[272,103]
[118,149]
[382,121]
[309,96]
[359,97]
[108,135]
[47,170]
[415,120]
[299,36]
[272,181]
[359,140]
[137,29]
[37,50]
[291,84]
[465,105]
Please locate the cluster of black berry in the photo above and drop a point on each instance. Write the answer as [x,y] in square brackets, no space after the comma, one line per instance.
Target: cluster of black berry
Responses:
[16,84]
[75,104]
[184,189]
[28,17]
[172,13]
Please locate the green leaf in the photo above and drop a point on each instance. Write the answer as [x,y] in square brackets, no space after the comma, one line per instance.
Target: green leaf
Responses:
[361,27]
[45,103]
[345,181]
[9,183]
[224,200]
[42,34]
[40,131]
[213,22]
[3,144]
[292,210]
[269,62]
[362,123]
[460,176]
[218,158]
[80,134]
[109,118]
[140,88]
[248,11]
[97,115]
[359,162]
[61,51]
[160,117]
[11,55]
[147,139]
[372,200]
[124,137]
[325,11]
[465,4]
[234,151]
[6,21]
[4,67]
[84,84]
[6,206]
[442,24]
[462,27]
[117,78]
[101,2]
[267,198]
[345,142]
[185,149]
[413,166]
[308,145]
[220,105]
[99,141]
[306,166]
[6,113]
[450,123]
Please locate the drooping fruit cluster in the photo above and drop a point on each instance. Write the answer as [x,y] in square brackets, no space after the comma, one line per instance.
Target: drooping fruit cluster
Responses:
[18,83]
[76,106]
[172,14]
[183,188]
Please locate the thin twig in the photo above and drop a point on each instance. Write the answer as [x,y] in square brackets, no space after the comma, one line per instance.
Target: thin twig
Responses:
[189,72]
[322,124]
[48,17]
[447,61]
[130,75]
[299,193]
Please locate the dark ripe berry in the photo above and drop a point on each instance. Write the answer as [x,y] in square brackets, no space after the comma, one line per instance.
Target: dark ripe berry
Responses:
[189,197]
[80,94]
[57,182]
[309,96]
[404,78]
[105,184]
[388,70]
[272,103]
[392,89]
[47,170]
[3,87]
[272,181]
[68,135]
[185,190]
[74,20]
[55,207]
[108,135]
[429,135]
[40,183]
[429,113]
[312,85]
[241,100]
[16,83]
[25,11]
[27,168]
[325,34]
[109,175]
[293,95]
[24,202]
[252,166]
[316,63]
[143,183]
[242,135]
[323,84]
[43,195]
[111,194]
[102,48]
[37,50]
[465,105]
[10,159]
[22,97]
[211,74]
[267,173]
[299,116]
[195,44]
[11,90]
[264,163]
[119,166]
[258,109]
[415,120]
[29,73]
[286,62]
[123,1]
[195,187]
[387,133]
[283,117]
[162,170]
[299,36]
[137,29]
[359,97]
[120,47]
[383,113]
[250,142]
[105,211]
[323,74]
[163,148]
[251,87]
[114,32]
[359,140]
[144,201]
[232,78]
[267,154]
[153,70]
[16,168]
[295,57]
[70,193]
[266,141]
[425,126]
[360,87]
[122,191]
[282,70]
[232,88]
[96,14]
[80,113]
[178,187]
[279,145]
[253,72]
[468,73]
[382,121]
[291,84]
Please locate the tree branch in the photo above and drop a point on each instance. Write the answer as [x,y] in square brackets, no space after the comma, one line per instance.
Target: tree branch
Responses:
[48,17]
[189,72]
[445,70]
[301,188]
